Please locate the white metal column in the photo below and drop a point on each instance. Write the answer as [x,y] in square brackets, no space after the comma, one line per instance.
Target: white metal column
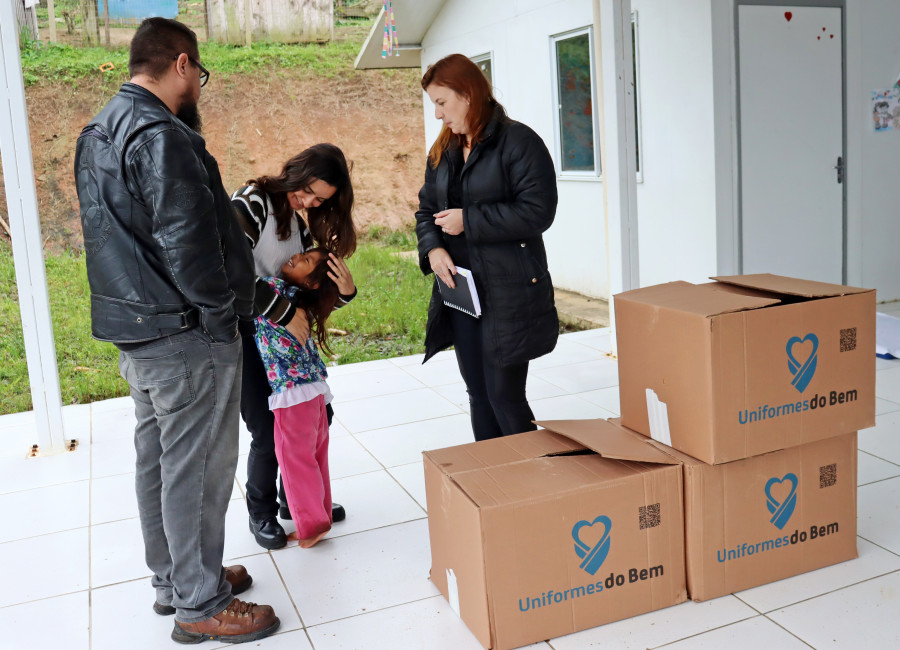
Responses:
[612,28]
[21,199]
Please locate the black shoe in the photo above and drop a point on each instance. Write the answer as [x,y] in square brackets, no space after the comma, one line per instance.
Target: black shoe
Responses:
[337,512]
[268,533]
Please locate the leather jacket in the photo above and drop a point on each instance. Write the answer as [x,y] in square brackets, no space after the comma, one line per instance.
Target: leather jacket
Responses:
[164,251]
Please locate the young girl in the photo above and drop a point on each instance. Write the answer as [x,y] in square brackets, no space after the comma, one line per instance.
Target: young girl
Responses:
[299,396]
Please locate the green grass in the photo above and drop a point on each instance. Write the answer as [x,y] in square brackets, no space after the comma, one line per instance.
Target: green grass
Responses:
[57,63]
[87,368]
[386,319]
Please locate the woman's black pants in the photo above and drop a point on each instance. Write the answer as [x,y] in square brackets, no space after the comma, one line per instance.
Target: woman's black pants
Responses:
[262,465]
[497,401]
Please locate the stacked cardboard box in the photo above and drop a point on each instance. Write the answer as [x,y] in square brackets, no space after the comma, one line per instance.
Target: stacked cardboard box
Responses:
[765,380]
[734,464]
[542,534]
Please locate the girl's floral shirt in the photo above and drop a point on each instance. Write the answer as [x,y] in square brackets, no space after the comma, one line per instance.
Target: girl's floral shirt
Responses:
[288,362]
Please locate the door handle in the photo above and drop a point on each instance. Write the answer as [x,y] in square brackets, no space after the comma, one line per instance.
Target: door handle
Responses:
[840,169]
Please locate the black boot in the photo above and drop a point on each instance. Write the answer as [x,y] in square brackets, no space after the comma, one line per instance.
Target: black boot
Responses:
[268,533]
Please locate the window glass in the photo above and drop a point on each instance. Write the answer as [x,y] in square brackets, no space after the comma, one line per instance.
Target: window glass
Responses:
[576,110]
[483,62]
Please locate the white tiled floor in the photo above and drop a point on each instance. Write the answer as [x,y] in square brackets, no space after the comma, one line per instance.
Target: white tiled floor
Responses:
[74,574]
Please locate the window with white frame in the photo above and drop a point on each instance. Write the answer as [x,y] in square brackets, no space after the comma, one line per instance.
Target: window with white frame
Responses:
[577,142]
[484,61]
[576,121]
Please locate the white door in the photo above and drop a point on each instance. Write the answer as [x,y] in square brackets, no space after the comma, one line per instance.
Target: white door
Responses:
[791,137]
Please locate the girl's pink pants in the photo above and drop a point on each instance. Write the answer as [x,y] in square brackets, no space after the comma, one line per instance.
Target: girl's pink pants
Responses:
[301,446]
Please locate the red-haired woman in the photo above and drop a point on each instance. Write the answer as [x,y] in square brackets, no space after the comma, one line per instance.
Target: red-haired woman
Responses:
[489,194]
[309,203]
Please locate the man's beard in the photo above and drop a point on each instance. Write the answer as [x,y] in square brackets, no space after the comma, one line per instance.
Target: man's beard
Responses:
[190,115]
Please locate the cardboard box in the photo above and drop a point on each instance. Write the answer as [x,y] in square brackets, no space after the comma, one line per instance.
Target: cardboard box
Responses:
[769,517]
[538,535]
[746,365]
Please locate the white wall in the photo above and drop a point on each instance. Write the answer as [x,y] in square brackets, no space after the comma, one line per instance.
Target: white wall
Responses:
[873,159]
[676,200]
[518,34]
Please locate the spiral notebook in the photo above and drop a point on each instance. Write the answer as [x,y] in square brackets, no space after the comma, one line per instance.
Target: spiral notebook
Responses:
[464,296]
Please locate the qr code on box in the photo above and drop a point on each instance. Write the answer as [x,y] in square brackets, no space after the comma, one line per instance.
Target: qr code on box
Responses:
[848,339]
[649,516]
[827,475]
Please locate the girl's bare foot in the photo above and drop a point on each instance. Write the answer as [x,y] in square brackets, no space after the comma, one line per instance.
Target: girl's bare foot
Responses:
[312,541]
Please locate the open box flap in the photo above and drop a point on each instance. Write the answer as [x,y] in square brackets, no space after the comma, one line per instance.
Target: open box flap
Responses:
[789,286]
[701,300]
[609,441]
[565,456]
[499,451]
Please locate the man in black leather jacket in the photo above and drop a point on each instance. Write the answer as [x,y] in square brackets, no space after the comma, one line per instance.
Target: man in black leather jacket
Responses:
[171,274]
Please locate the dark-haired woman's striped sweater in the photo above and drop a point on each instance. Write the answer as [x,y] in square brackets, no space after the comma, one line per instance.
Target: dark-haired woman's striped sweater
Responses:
[255,213]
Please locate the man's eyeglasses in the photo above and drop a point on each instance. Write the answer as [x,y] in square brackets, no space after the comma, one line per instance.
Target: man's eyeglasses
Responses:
[204,73]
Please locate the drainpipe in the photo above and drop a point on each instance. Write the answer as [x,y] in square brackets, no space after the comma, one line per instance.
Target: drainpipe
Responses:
[21,201]
[615,83]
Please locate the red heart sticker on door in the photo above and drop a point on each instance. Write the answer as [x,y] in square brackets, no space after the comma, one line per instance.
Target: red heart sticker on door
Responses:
[788,15]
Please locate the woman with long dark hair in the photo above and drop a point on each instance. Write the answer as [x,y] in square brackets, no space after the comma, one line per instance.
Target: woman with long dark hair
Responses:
[309,203]
[489,194]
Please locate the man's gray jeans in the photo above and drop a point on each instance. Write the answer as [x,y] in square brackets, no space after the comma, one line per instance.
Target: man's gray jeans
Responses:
[186,393]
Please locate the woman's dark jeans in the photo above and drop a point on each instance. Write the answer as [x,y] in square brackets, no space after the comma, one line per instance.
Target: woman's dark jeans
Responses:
[497,401]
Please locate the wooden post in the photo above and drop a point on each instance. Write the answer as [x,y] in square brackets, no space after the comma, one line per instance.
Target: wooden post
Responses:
[247,26]
[90,30]
[51,18]
[106,20]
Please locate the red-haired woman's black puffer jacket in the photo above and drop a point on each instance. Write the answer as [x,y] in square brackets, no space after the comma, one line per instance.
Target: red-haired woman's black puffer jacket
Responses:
[509,199]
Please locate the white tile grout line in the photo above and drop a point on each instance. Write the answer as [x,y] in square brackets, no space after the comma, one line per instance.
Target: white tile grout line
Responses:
[824,593]
[721,627]
[378,609]
[289,595]
[400,424]
[883,548]
[793,634]
[765,614]
[881,480]
[869,453]
[37,600]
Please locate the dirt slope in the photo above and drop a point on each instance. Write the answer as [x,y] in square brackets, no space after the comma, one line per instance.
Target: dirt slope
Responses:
[252,124]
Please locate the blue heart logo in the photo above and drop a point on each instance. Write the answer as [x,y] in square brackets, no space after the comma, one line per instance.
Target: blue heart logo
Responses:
[781,512]
[803,372]
[592,556]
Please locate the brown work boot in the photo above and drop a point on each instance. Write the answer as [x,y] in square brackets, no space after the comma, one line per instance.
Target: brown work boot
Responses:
[236,575]
[237,623]
[239,579]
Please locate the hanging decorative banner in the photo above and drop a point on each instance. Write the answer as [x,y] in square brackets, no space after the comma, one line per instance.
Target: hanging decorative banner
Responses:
[389,45]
